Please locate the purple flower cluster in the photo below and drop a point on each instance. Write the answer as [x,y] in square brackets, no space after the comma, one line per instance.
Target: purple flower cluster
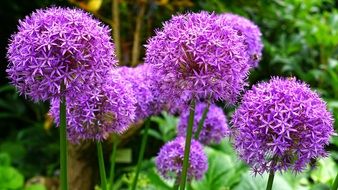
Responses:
[250,31]
[215,126]
[169,161]
[199,58]
[109,107]
[143,82]
[55,46]
[280,125]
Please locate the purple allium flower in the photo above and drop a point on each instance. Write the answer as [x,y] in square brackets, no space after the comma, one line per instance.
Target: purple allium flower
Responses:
[250,31]
[215,126]
[169,161]
[58,45]
[199,58]
[280,125]
[143,82]
[108,108]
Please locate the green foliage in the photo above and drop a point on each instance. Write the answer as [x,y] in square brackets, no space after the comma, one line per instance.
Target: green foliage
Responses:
[36,187]
[123,156]
[5,159]
[26,145]
[148,179]
[300,39]
[23,131]
[166,127]
[224,171]
[325,171]
[259,182]
[10,178]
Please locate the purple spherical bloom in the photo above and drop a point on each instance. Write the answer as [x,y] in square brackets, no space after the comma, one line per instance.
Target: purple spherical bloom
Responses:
[169,161]
[143,82]
[250,31]
[199,58]
[280,125]
[215,126]
[58,45]
[108,108]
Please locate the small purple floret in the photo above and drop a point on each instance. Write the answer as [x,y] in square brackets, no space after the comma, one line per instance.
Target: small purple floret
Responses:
[281,125]
[169,161]
[215,126]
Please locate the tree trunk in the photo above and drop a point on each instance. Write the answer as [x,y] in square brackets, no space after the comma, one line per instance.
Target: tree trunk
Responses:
[82,166]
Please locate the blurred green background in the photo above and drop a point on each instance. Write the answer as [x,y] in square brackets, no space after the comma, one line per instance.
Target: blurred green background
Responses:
[300,39]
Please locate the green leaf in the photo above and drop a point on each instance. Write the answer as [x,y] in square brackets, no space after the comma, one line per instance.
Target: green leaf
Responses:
[325,172]
[5,159]
[226,147]
[223,171]
[251,182]
[10,178]
[155,134]
[297,182]
[320,186]
[36,187]
[167,126]
[123,156]
[14,149]
[157,181]
[6,88]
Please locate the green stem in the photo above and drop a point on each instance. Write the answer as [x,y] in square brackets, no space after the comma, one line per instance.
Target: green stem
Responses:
[270,180]
[189,186]
[112,164]
[335,184]
[187,145]
[101,166]
[201,121]
[63,141]
[140,157]
[176,184]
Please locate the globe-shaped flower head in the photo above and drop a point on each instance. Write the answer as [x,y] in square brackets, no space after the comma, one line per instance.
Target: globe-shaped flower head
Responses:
[280,125]
[143,82]
[215,126]
[250,31]
[198,58]
[55,46]
[108,108]
[169,161]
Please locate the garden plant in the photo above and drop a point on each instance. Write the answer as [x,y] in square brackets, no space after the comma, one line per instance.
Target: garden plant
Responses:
[190,95]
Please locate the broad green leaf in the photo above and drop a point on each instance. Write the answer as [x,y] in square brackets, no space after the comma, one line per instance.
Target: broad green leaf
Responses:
[157,181]
[10,178]
[320,186]
[297,182]
[325,172]
[155,134]
[250,182]
[167,126]
[223,171]
[14,149]
[5,159]
[226,147]
[123,156]
[36,187]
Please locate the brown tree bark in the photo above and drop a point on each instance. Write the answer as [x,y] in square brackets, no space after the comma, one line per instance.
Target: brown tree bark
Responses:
[82,160]
[82,166]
